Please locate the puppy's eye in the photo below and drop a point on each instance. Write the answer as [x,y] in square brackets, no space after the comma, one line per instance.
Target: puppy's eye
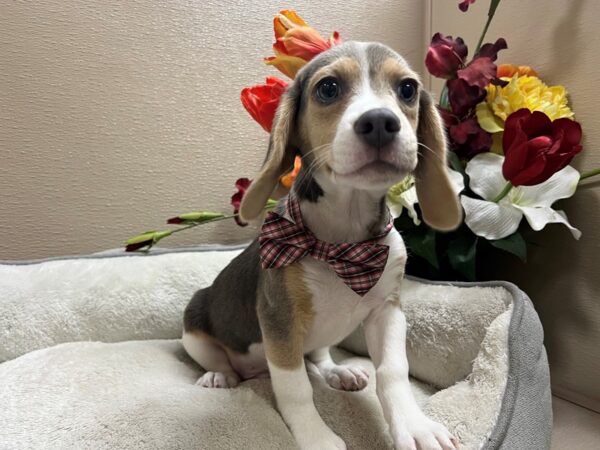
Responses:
[407,90]
[328,90]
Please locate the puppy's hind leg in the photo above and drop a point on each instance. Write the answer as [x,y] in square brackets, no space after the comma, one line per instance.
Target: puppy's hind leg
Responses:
[212,358]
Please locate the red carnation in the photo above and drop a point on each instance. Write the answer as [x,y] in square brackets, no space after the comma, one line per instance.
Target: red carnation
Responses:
[469,138]
[261,101]
[464,97]
[535,148]
[482,70]
[242,185]
[445,56]
[464,5]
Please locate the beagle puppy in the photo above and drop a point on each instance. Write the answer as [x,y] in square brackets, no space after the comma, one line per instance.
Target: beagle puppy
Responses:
[361,121]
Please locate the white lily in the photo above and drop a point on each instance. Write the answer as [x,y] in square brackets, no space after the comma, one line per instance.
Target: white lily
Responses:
[493,220]
[404,195]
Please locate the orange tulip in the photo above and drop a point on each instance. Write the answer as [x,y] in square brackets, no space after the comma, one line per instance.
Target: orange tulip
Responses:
[296,43]
[509,70]
[288,179]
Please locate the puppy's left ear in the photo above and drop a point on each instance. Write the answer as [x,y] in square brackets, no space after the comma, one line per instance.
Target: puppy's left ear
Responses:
[438,201]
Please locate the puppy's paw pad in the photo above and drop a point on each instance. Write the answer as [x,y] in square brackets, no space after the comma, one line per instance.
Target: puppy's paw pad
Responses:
[218,380]
[347,378]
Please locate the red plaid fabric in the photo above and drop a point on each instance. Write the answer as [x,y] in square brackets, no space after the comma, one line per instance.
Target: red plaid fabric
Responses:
[283,242]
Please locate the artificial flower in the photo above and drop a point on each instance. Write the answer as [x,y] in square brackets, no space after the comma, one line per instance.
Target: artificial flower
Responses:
[296,43]
[288,179]
[261,101]
[287,65]
[445,56]
[536,147]
[463,97]
[147,239]
[404,195]
[496,220]
[469,138]
[482,70]
[195,217]
[521,92]
[464,5]
[510,70]
[242,185]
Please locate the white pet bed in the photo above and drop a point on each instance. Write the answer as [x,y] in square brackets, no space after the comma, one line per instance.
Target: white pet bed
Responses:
[90,359]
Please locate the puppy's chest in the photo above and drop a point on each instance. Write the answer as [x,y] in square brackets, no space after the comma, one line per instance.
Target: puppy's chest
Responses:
[339,310]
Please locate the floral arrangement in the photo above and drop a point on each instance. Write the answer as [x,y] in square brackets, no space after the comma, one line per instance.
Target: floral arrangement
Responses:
[511,140]
[296,43]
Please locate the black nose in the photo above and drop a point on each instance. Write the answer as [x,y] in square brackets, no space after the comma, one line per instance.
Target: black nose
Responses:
[377,127]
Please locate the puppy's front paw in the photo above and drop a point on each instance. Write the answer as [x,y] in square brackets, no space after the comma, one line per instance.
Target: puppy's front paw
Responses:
[424,434]
[347,378]
[218,380]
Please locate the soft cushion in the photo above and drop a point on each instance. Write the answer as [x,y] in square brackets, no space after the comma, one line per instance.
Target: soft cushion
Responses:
[476,351]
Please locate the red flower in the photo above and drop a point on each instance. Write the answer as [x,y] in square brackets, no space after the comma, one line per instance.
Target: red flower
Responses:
[261,100]
[242,185]
[482,70]
[464,5]
[138,245]
[445,56]
[535,148]
[464,97]
[469,138]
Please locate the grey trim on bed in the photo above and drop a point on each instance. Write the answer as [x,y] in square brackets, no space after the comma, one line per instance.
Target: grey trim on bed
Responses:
[525,418]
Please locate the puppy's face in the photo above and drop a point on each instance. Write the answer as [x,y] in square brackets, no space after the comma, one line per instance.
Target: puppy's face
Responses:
[357,124]
[355,112]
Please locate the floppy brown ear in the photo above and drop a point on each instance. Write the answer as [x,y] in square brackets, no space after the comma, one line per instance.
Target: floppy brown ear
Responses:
[279,159]
[438,201]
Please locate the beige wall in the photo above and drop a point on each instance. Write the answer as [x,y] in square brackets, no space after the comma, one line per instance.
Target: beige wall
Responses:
[562,276]
[115,115]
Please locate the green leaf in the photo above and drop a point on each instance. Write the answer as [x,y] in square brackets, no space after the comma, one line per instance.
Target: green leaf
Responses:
[151,236]
[514,244]
[271,203]
[455,162]
[462,254]
[421,241]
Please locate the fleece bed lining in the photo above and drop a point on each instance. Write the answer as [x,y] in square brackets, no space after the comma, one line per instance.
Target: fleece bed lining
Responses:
[473,387]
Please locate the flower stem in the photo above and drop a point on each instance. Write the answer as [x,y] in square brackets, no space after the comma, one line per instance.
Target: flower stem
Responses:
[493,6]
[588,174]
[192,225]
[444,100]
[504,192]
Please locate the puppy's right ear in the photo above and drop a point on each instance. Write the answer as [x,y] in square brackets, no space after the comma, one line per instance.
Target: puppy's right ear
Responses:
[280,155]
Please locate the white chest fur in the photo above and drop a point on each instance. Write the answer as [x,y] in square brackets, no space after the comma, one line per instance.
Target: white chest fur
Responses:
[338,309]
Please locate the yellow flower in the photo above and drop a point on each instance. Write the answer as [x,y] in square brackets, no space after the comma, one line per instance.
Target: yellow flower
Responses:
[521,92]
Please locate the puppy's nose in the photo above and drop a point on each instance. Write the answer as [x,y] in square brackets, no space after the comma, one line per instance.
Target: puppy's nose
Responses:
[377,127]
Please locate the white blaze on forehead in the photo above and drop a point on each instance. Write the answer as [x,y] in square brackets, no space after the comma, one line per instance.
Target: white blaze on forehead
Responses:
[349,151]
[366,98]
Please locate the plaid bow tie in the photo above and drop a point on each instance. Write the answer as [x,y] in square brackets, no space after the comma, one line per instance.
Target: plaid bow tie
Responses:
[283,242]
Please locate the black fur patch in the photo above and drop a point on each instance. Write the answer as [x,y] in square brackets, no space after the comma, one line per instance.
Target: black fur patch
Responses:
[227,309]
[307,188]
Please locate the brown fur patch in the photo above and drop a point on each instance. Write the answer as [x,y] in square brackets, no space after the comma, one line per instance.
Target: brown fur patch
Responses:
[318,123]
[284,331]
[389,77]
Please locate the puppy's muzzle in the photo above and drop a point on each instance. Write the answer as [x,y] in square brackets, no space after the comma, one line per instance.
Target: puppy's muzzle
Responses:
[377,127]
